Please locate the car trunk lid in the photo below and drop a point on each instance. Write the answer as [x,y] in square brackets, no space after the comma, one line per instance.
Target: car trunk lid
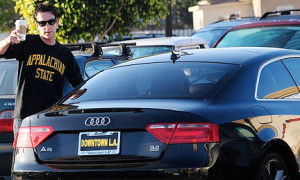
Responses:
[86,134]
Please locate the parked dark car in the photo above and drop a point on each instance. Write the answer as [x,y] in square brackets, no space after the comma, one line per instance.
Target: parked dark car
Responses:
[8,82]
[212,32]
[135,35]
[220,113]
[279,29]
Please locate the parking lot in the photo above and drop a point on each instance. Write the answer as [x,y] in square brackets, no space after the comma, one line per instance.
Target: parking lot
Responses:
[220,104]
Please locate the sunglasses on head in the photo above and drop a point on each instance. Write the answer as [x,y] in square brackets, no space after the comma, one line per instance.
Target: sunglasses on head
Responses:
[50,22]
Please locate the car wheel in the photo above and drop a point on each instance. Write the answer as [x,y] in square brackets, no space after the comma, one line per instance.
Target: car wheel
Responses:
[272,167]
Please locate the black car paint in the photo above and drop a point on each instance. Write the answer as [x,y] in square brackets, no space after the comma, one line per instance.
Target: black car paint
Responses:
[7,102]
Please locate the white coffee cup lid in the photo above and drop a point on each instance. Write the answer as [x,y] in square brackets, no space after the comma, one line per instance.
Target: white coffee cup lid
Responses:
[21,22]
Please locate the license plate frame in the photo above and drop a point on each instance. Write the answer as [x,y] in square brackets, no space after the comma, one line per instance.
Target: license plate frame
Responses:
[99,143]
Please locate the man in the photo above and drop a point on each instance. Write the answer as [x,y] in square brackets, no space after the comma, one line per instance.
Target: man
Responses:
[43,65]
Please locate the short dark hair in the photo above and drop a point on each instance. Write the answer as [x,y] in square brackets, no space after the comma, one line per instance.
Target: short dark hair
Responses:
[43,7]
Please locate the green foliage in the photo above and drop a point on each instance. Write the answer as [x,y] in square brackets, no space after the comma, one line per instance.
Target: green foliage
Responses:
[7,15]
[88,19]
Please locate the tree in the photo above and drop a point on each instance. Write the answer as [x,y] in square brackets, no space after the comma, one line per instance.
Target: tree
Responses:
[88,19]
[7,15]
[182,18]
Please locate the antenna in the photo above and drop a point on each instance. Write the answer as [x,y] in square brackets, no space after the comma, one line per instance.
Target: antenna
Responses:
[174,56]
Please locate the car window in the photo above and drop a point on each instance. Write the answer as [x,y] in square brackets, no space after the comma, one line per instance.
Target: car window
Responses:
[293,65]
[8,77]
[210,36]
[96,66]
[270,36]
[90,68]
[112,50]
[275,82]
[158,80]
[141,51]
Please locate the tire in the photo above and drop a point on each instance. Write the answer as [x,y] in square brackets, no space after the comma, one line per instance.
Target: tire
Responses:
[272,167]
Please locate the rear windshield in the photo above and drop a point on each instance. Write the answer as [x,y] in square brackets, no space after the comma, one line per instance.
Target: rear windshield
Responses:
[287,37]
[142,51]
[182,80]
[8,77]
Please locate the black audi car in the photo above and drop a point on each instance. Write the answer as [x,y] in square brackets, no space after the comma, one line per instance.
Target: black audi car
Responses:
[228,113]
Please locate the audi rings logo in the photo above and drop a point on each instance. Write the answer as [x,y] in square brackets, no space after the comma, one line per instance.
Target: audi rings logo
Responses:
[97,121]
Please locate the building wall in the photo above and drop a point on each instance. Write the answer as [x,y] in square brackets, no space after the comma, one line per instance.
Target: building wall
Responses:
[277,5]
[257,8]
[207,14]
[198,19]
[204,15]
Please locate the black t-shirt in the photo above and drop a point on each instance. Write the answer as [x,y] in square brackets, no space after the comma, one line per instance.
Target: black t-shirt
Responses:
[42,69]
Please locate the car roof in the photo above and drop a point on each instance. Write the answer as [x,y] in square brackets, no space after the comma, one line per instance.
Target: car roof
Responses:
[177,42]
[228,23]
[284,14]
[274,18]
[278,22]
[290,16]
[235,55]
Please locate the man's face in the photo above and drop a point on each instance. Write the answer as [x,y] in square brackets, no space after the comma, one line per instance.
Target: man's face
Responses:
[46,24]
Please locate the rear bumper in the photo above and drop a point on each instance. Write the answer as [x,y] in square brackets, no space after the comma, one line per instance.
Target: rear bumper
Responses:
[176,165]
[190,173]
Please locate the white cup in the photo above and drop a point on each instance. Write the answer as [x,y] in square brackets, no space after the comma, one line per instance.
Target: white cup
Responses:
[21,26]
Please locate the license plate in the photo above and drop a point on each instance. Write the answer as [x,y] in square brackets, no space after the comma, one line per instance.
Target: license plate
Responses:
[99,143]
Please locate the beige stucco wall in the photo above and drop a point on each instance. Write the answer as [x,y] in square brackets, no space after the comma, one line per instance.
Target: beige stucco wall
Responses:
[198,19]
[257,8]
[277,5]
[204,15]
[262,6]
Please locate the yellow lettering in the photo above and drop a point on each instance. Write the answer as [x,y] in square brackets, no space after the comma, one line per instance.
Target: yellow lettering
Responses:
[41,60]
[103,142]
[89,143]
[62,69]
[29,62]
[114,143]
[44,74]
[92,143]
[98,142]
[38,59]
[55,64]
[83,144]
[49,62]
[33,59]
[50,75]
[37,75]
[59,67]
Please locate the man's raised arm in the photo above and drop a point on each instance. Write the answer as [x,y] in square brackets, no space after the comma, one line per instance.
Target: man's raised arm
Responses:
[4,44]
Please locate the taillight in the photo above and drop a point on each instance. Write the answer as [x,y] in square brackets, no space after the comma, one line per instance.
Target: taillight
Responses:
[182,133]
[6,121]
[29,137]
